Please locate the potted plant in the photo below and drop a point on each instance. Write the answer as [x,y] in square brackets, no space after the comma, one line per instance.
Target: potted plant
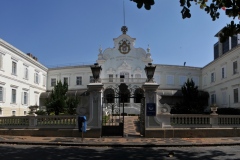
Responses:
[33,109]
[214,109]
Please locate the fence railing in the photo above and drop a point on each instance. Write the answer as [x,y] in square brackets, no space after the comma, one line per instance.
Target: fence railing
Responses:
[38,122]
[190,120]
[202,121]
[123,80]
[173,120]
[228,120]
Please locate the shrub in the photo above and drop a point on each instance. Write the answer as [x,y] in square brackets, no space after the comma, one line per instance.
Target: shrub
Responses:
[228,111]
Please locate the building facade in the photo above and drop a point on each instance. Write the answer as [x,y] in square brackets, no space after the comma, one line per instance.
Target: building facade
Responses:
[24,81]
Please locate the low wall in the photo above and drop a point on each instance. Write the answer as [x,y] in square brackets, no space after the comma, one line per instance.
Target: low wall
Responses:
[192,133]
[48,132]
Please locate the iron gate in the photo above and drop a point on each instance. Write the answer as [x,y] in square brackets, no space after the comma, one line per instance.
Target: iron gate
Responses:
[115,100]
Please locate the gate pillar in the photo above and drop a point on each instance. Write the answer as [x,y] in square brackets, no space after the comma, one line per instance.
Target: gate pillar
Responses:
[95,115]
[150,93]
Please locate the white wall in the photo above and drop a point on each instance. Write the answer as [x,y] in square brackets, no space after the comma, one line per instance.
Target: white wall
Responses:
[17,81]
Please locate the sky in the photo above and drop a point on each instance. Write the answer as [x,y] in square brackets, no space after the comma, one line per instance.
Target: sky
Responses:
[70,32]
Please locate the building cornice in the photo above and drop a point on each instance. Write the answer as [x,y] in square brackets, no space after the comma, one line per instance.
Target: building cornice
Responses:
[21,54]
[222,56]
[178,66]
[69,67]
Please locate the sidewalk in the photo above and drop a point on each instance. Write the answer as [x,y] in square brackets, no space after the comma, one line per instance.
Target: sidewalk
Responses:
[120,141]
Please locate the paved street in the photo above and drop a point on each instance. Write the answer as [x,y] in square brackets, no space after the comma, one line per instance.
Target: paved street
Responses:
[33,152]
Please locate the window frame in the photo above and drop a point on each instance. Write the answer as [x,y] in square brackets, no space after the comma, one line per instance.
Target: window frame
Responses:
[14,68]
[212,77]
[110,77]
[235,67]
[235,95]
[78,80]
[14,96]
[91,79]
[36,78]
[53,80]
[213,98]
[66,79]
[25,98]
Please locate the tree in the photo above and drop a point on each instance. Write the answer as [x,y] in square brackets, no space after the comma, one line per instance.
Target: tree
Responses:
[57,101]
[231,8]
[72,103]
[192,102]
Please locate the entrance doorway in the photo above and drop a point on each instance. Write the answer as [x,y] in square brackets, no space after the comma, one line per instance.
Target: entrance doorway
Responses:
[121,110]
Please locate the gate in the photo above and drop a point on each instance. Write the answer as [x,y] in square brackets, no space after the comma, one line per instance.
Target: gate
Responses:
[115,100]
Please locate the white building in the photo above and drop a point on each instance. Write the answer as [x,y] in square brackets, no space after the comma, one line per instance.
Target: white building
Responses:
[25,82]
[22,80]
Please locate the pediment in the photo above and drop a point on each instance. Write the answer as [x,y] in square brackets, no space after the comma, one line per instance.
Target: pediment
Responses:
[125,66]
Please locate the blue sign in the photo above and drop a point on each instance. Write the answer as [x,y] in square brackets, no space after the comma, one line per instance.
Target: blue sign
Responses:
[82,123]
[151,109]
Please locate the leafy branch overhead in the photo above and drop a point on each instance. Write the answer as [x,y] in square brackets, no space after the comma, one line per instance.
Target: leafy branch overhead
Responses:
[231,8]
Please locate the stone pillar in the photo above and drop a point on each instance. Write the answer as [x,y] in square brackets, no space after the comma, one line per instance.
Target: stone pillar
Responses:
[150,92]
[95,116]
[32,120]
[214,121]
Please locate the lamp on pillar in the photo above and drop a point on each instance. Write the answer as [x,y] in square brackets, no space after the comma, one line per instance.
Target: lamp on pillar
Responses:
[150,69]
[96,69]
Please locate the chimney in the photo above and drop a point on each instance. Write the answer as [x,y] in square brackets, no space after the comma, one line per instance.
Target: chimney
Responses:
[30,55]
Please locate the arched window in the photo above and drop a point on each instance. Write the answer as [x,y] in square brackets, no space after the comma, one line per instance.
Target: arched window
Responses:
[109,95]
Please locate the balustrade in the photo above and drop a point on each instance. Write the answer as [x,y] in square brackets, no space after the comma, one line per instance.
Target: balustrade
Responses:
[190,120]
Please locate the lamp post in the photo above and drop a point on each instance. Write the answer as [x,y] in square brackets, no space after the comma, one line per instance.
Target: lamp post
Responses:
[150,69]
[96,69]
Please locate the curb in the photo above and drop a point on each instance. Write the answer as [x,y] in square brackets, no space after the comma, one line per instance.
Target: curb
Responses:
[115,144]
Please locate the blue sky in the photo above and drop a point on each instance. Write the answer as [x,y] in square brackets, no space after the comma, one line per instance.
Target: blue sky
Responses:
[63,32]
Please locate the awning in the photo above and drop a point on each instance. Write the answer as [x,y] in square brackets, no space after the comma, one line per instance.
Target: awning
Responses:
[79,92]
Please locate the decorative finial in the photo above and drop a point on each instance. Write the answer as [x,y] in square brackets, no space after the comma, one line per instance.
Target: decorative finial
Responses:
[124,29]
[100,49]
[148,49]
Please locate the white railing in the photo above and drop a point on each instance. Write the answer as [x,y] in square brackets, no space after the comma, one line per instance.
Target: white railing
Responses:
[123,80]
[190,120]
[52,121]
[199,121]
[174,120]
[14,122]
[38,122]
[229,120]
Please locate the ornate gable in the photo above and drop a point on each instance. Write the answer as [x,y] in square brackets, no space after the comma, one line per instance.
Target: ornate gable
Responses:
[124,66]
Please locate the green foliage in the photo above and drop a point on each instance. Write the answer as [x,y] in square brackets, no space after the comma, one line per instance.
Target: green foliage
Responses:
[32,108]
[231,8]
[40,112]
[105,119]
[192,102]
[57,101]
[147,3]
[228,111]
[72,103]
